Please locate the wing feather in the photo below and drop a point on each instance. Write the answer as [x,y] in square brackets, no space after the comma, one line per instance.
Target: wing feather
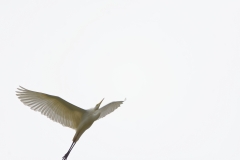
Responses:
[55,108]
[109,108]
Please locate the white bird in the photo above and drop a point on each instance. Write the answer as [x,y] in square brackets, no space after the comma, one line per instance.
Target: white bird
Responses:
[65,113]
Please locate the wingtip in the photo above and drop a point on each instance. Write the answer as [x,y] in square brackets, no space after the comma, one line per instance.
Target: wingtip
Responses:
[18,91]
[21,88]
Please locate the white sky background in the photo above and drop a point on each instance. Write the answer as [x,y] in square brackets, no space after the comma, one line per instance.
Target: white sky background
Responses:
[176,62]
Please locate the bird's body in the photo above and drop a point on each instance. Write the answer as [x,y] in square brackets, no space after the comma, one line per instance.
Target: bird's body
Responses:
[64,112]
[88,120]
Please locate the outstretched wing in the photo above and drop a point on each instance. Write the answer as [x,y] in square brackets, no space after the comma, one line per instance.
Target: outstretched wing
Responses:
[55,108]
[109,108]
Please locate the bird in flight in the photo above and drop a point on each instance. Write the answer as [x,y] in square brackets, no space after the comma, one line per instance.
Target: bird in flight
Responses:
[65,113]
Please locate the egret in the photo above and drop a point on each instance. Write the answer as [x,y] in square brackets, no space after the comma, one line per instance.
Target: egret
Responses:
[65,113]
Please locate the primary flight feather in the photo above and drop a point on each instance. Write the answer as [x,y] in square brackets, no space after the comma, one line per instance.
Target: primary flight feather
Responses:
[65,113]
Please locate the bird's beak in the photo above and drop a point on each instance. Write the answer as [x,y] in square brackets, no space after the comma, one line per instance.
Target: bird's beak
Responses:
[98,105]
[100,102]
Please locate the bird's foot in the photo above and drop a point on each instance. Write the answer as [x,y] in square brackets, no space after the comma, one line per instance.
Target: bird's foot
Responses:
[65,156]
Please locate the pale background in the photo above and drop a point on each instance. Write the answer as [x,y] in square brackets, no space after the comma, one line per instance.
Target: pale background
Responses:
[176,62]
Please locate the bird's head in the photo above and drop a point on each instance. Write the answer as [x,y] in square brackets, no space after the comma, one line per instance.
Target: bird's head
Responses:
[98,105]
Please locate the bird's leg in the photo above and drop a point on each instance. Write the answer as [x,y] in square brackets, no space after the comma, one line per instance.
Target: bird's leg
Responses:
[68,152]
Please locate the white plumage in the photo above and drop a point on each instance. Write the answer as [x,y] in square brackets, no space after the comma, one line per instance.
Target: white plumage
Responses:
[65,113]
